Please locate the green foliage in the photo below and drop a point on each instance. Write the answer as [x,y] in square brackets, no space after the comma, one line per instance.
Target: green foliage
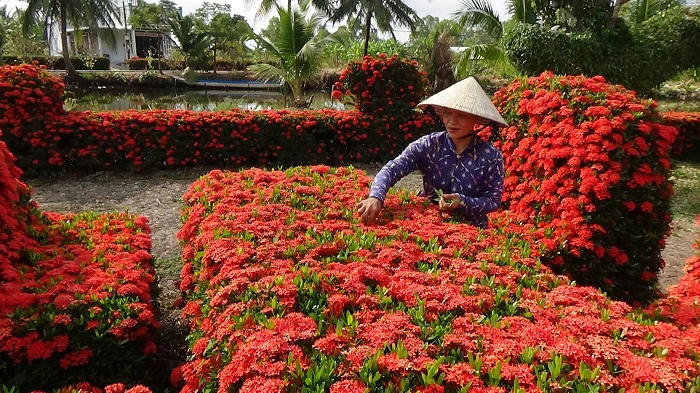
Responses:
[15,41]
[95,15]
[146,14]
[639,58]
[686,185]
[295,50]
[385,13]
[192,42]
[638,11]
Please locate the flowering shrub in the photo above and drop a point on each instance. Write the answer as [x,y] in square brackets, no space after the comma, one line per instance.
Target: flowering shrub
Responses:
[687,144]
[287,291]
[28,94]
[74,294]
[682,305]
[590,159]
[85,387]
[386,87]
[84,141]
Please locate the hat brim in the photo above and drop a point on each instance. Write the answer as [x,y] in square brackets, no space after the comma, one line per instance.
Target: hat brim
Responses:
[466,96]
[479,120]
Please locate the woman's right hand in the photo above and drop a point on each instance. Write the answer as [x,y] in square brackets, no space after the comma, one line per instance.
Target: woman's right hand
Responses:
[369,209]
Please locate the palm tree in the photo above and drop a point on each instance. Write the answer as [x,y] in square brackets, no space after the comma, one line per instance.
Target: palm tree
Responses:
[94,14]
[386,12]
[638,11]
[296,50]
[268,5]
[190,42]
[480,14]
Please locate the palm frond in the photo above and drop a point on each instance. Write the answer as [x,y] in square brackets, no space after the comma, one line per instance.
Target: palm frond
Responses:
[489,55]
[522,11]
[479,13]
[267,72]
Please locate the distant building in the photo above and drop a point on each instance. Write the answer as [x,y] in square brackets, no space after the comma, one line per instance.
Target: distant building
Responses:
[128,41]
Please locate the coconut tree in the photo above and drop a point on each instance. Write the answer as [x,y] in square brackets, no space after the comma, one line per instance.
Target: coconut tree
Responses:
[386,13]
[638,11]
[481,15]
[295,49]
[190,41]
[266,6]
[93,14]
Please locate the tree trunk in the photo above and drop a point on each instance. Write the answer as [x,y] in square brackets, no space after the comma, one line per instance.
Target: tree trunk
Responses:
[72,73]
[289,6]
[368,26]
[616,12]
[214,60]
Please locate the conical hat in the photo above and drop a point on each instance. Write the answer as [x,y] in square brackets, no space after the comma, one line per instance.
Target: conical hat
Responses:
[466,96]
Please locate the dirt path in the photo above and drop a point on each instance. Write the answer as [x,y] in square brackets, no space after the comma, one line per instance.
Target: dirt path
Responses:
[157,196]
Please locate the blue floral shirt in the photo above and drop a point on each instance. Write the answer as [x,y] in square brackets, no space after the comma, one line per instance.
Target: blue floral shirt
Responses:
[476,174]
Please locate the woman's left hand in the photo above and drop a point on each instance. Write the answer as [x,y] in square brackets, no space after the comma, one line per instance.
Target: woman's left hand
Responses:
[449,202]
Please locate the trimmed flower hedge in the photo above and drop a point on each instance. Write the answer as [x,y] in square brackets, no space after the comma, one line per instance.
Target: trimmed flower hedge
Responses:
[687,145]
[682,305]
[75,292]
[385,86]
[591,160]
[44,137]
[287,291]
[87,388]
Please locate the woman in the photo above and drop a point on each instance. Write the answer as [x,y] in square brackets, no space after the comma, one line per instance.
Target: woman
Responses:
[468,170]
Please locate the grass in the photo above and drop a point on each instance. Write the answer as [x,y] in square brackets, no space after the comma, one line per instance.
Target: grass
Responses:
[686,183]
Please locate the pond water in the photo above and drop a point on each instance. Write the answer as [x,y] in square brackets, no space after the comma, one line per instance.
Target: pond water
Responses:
[195,100]
[254,99]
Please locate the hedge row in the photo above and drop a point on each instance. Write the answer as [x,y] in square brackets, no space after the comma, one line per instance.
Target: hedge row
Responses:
[140,63]
[85,141]
[288,291]
[687,145]
[58,63]
[75,292]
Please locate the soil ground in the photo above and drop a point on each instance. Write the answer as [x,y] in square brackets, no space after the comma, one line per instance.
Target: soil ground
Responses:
[158,196]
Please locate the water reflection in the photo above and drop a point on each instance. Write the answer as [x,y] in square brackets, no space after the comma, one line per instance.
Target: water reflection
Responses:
[212,100]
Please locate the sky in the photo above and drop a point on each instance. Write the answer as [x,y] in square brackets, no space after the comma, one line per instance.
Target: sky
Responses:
[439,8]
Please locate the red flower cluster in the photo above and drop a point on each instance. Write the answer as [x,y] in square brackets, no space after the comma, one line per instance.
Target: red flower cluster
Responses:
[84,141]
[687,143]
[590,159]
[287,289]
[75,290]
[85,387]
[682,305]
[386,87]
[26,91]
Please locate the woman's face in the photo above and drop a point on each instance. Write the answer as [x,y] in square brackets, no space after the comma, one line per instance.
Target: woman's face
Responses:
[458,123]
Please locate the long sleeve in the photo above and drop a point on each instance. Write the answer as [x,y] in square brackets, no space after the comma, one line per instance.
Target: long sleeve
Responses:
[489,200]
[408,161]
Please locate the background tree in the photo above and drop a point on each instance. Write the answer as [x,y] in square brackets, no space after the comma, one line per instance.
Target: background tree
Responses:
[191,42]
[216,21]
[636,12]
[146,14]
[17,43]
[94,14]
[295,49]
[385,12]
[480,16]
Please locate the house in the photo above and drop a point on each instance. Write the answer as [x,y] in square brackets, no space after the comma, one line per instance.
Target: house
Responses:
[127,41]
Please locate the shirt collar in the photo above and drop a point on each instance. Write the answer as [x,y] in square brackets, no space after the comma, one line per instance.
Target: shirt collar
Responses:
[471,148]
